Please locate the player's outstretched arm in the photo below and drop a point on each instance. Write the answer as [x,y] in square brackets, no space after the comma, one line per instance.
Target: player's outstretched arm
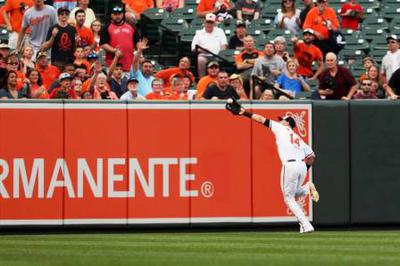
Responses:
[235,108]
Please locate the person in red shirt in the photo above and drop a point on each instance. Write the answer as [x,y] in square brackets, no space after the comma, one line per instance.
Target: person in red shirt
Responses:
[48,72]
[85,35]
[119,35]
[64,91]
[13,12]
[352,13]
[305,53]
[182,70]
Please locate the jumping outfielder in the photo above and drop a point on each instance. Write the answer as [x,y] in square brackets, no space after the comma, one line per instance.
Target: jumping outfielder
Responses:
[296,157]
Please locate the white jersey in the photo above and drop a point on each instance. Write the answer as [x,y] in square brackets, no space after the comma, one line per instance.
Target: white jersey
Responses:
[290,145]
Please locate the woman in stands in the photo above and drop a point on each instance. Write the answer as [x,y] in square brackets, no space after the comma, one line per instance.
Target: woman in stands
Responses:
[95,27]
[236,82]
[26,59]
[33,87]
[10,90]
[291,81]
[170,5]
[288,17]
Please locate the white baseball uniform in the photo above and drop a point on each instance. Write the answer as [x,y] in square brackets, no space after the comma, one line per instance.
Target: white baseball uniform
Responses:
[292,150]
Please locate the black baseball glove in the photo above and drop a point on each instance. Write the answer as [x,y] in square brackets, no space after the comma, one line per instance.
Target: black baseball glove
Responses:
[233,106]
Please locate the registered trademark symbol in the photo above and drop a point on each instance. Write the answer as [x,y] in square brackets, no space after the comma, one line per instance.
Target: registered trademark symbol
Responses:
[207,189]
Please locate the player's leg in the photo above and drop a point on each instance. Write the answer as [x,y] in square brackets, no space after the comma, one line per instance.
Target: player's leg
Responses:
[290,179]
[302,190]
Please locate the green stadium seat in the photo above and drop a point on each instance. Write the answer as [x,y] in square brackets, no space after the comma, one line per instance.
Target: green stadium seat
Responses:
[265,24]
[372,22]
[395,24]
[170,28]
[391,11]
[185,42]
[191,3]
[187,13]
[228,64]
[379,42]
[377,55]
[351,54]
[279,32]
[303,95]
[150,22]
[372,33]
[4,35]
[197,23]
[270,10]
[355,42]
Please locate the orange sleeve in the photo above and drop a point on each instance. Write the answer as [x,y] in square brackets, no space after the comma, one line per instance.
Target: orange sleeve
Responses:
[309,18]
[85,85]
[165,74]
[335,21]
[150,3]
[202,6]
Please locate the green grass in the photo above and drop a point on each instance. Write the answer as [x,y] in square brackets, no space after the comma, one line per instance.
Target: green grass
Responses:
[199,248]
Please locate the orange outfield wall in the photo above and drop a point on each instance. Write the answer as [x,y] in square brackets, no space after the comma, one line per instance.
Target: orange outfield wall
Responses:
[141,163]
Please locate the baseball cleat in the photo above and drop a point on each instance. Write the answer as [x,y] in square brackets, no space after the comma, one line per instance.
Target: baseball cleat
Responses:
[313,191]
[306,229]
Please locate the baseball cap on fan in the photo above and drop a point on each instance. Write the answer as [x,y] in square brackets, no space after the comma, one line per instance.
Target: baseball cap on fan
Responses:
[289,119]
[210,17]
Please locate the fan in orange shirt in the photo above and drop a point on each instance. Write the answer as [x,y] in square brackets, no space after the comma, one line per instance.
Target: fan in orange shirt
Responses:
[157,86]
[212,73]
[212,6]
[48,72]
[322,19]
[177,91]
[182,69]
[136,8]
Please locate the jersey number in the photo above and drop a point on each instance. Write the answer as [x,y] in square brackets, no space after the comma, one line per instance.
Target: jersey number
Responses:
[294,140]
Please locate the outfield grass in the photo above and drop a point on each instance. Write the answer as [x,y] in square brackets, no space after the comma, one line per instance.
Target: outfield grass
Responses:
[199,248]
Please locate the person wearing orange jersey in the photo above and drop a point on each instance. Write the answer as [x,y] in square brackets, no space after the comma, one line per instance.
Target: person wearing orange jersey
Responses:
[157,93]
[182,69]
[48,72]
[212,73]
[12,13]
[322,19]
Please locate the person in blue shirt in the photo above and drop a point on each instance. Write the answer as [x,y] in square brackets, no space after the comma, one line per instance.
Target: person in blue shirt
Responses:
[144,72]
[290,81]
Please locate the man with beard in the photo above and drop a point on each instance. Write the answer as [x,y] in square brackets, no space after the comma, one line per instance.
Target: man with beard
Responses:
[119,35]
[305,53]
[143,73]
[61,40]
[221,89]
[85,34]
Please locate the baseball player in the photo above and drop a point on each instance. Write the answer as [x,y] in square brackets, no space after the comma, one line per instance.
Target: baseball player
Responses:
[296,157]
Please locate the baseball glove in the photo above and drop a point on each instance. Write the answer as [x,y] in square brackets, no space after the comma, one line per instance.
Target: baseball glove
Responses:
[233,106]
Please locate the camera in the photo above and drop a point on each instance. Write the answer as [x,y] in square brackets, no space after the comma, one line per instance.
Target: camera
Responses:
[105,95]
[329,83]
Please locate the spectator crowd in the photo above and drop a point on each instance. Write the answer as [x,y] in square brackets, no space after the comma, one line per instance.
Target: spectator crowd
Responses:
[60,50]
